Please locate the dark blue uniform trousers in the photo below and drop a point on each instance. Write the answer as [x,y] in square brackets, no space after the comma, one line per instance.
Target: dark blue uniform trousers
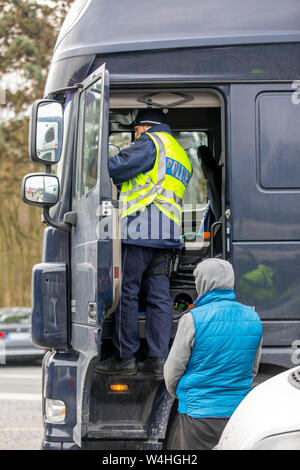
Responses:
[156,295]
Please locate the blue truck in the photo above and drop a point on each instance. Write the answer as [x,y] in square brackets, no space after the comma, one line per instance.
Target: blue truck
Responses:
[225,72]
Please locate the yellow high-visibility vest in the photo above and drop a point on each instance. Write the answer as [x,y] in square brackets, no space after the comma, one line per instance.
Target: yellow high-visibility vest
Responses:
[164,184]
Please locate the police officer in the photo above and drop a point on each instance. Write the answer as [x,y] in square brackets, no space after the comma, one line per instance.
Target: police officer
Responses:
[153,173]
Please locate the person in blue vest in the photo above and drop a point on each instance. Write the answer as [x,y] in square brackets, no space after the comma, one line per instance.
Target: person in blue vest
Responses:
[214,356]
[153,173]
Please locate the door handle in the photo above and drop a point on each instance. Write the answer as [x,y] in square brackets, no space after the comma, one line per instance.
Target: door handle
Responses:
[92,311]
[70,218]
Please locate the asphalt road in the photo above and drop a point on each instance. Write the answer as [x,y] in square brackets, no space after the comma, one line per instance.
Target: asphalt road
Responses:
[21,425]
[20,407]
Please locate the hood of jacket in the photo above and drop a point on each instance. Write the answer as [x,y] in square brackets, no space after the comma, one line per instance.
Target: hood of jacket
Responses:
[213,274]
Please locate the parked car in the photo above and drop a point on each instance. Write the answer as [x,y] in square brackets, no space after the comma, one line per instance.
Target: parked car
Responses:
[15,336]
[267,418]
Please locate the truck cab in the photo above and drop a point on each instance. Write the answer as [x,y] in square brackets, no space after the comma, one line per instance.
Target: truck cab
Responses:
[229,98]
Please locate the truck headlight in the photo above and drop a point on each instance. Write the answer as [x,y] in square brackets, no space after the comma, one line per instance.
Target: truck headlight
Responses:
[285,441]
[55,410]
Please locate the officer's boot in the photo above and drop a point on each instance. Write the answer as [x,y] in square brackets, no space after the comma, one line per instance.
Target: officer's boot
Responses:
[153,366]
[114,366]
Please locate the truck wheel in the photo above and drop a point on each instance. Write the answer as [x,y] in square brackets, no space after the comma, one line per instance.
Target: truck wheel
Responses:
[172,441]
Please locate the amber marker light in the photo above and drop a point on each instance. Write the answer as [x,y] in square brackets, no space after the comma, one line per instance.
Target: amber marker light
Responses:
[118,387]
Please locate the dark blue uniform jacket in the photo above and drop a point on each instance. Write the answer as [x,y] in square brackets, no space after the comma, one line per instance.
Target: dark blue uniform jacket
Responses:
[149,228]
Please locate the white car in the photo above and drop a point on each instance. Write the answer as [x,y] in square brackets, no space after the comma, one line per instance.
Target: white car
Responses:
[268,418]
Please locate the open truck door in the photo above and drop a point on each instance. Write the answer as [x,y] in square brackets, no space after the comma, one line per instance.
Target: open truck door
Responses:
[92,288]
[95,250]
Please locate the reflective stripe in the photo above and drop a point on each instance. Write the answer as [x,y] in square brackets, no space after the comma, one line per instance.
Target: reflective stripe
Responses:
[171,195]
[152,187]
[130,202]
[170,199]
[149,122]
[161,156]
[128,209]
[167,211]
[152,190]
[130,206]
[164,200]
[167,207]
[160,149]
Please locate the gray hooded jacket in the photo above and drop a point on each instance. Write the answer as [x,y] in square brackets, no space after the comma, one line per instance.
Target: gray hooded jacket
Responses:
[210,274]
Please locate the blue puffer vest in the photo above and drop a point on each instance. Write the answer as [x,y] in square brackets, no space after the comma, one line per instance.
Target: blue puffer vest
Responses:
[219,373]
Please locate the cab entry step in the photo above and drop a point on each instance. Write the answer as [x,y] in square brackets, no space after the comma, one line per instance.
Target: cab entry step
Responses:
[125,413]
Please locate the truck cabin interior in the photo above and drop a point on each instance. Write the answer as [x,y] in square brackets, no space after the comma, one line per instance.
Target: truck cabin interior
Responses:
[195,121]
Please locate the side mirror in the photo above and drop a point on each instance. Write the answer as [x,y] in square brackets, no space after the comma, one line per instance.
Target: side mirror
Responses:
[39,189]
[46,131]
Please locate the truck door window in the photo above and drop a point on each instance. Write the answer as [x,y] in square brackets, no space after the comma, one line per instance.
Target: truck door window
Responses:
[88,139]
[278,138]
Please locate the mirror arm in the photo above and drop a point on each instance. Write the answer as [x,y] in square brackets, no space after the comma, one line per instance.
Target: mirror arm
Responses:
[60,225]
[53,94]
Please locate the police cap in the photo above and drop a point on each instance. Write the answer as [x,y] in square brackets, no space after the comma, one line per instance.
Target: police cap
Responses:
[149,117]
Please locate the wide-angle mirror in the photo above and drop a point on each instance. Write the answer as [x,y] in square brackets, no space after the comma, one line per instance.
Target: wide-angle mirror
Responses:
[40,190]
